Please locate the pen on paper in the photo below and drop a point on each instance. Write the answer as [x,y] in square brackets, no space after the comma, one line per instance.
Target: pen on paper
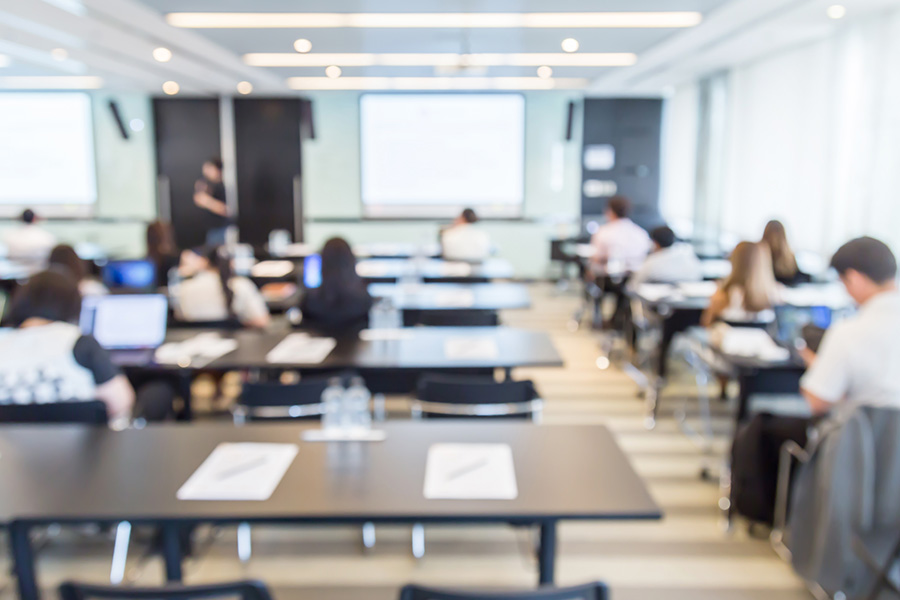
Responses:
[248,466]
[466,469]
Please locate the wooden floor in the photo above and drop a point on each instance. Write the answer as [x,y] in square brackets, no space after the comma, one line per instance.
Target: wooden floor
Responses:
[686,556]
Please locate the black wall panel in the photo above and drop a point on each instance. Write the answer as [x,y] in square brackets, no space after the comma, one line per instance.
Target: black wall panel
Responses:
[187,134]
[267,140]
[633,127]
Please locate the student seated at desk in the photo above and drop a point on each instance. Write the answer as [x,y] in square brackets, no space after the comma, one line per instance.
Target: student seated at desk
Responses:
[29,242]
[161,250]
[670,262]
[620,245]
[341,304]
[64,257]
[211,292]
[749,295]
[784,264]
[464,240]
[46,359]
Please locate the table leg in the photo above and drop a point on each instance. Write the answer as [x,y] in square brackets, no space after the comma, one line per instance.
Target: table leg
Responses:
[172,551]
[547,556]
[23,561]
[184,388]
[507,374]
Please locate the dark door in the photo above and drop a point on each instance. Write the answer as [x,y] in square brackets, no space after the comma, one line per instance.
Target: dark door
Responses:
[187,134]
[267,140]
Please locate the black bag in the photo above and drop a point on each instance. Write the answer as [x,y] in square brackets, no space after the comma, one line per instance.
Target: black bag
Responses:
[754,463]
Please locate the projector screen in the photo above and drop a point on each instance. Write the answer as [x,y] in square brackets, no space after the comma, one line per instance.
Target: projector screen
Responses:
[431,155]
[47,154]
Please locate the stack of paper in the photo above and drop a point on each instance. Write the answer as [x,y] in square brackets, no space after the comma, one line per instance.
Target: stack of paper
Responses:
[239,472]
[300,348]
[272,268]
[470,472]
[386,334]
[471,348]
[197,351]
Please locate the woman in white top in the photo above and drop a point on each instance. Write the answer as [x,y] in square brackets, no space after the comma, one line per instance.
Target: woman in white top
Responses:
[213,293]
[750,293]
[464,240]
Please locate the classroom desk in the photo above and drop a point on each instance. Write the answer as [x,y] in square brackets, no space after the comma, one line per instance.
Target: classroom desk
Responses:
[73,475]
[388,270]
[369,250]
[414,299]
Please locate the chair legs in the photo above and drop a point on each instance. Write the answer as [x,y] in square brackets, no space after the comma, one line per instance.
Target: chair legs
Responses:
[120,553]
[418,540]
[244,542]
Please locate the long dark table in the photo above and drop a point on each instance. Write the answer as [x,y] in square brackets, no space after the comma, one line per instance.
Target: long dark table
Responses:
[389,270]
[74,475]
[416,299]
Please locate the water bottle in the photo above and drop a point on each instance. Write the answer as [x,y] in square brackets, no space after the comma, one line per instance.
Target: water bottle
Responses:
[358,397]
[331,399]
[378,315]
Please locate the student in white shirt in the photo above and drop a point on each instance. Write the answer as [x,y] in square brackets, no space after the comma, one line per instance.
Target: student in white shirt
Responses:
[670,262]
[213,293]
[620,245]
[29,241]
[858,360]
[464,240]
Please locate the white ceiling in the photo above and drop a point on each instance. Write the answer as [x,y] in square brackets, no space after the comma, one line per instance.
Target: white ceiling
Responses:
[114,39]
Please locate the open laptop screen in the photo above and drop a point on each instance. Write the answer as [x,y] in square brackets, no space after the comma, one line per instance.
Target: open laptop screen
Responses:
[129,274]
[125,322]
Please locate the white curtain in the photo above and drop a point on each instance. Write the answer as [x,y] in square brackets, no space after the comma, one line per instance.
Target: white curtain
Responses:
[679,156]
[814,139]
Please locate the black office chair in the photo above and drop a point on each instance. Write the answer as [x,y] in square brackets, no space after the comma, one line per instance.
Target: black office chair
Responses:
[277,401]
[92,412]
[591,591]
[454,396]
[245,590]
[459,318]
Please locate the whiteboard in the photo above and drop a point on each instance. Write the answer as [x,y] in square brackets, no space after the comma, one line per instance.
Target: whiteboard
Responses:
[431,155]
[47,154]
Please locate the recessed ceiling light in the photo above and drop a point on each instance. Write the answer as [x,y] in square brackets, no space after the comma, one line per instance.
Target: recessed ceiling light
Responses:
[333,72]
[433,83]
[59,54]
[54,82]
[136,125]
[836,11]
[171,88]
[544,72]
[244,87]
[533,59]
[570,45]
[561,20]
[303,46]
[4,60]
[162,54]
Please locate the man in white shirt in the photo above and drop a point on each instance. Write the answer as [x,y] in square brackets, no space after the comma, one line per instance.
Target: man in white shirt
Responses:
[29,242]
[620,245]
[670,262]
[465,241]
[858,360]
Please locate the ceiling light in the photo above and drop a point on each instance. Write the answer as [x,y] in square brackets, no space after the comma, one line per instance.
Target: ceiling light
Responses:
[544,72]
[561,20]
[433,83]
[836,11]
[303,46]
[162,54]
[333,72]
[136,125]
[535,59]
[570,45]
[171,88]
[60,82]
[244,87]
[59,54]
[4,60]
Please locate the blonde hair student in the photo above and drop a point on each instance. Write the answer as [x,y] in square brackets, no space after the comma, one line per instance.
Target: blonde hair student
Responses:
[750,292]
[784,263]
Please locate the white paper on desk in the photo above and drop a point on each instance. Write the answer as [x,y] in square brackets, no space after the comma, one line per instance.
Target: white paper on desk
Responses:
[698,289]
[454,298]
[205,346]
[471,348]
[272,268]
[244,471]
[470,472]
[752,342]
[300,348]
[378,335]
[653,292]
[456,269]
[372,269]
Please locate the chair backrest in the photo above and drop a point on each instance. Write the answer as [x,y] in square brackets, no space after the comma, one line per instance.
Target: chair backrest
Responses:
[456,396]
[92,412]
[273,401]
[591,591]
[246,590]
[459,318]
[223,324]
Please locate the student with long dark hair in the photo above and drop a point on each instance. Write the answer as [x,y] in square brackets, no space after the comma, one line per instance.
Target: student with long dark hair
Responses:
[162,250]
[341,304]
[214,293]
[63,257]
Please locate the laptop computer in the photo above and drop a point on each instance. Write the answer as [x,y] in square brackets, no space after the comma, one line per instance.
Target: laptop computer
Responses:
[134,275]
[802,326]
[131,327]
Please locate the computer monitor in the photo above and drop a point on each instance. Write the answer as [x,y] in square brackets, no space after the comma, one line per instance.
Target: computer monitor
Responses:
[129,275]
[312,271]
[125,322]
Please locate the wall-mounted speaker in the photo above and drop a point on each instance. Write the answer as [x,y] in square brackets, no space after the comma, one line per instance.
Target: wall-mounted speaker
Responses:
[570,121]
[307,126]
[114,109]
